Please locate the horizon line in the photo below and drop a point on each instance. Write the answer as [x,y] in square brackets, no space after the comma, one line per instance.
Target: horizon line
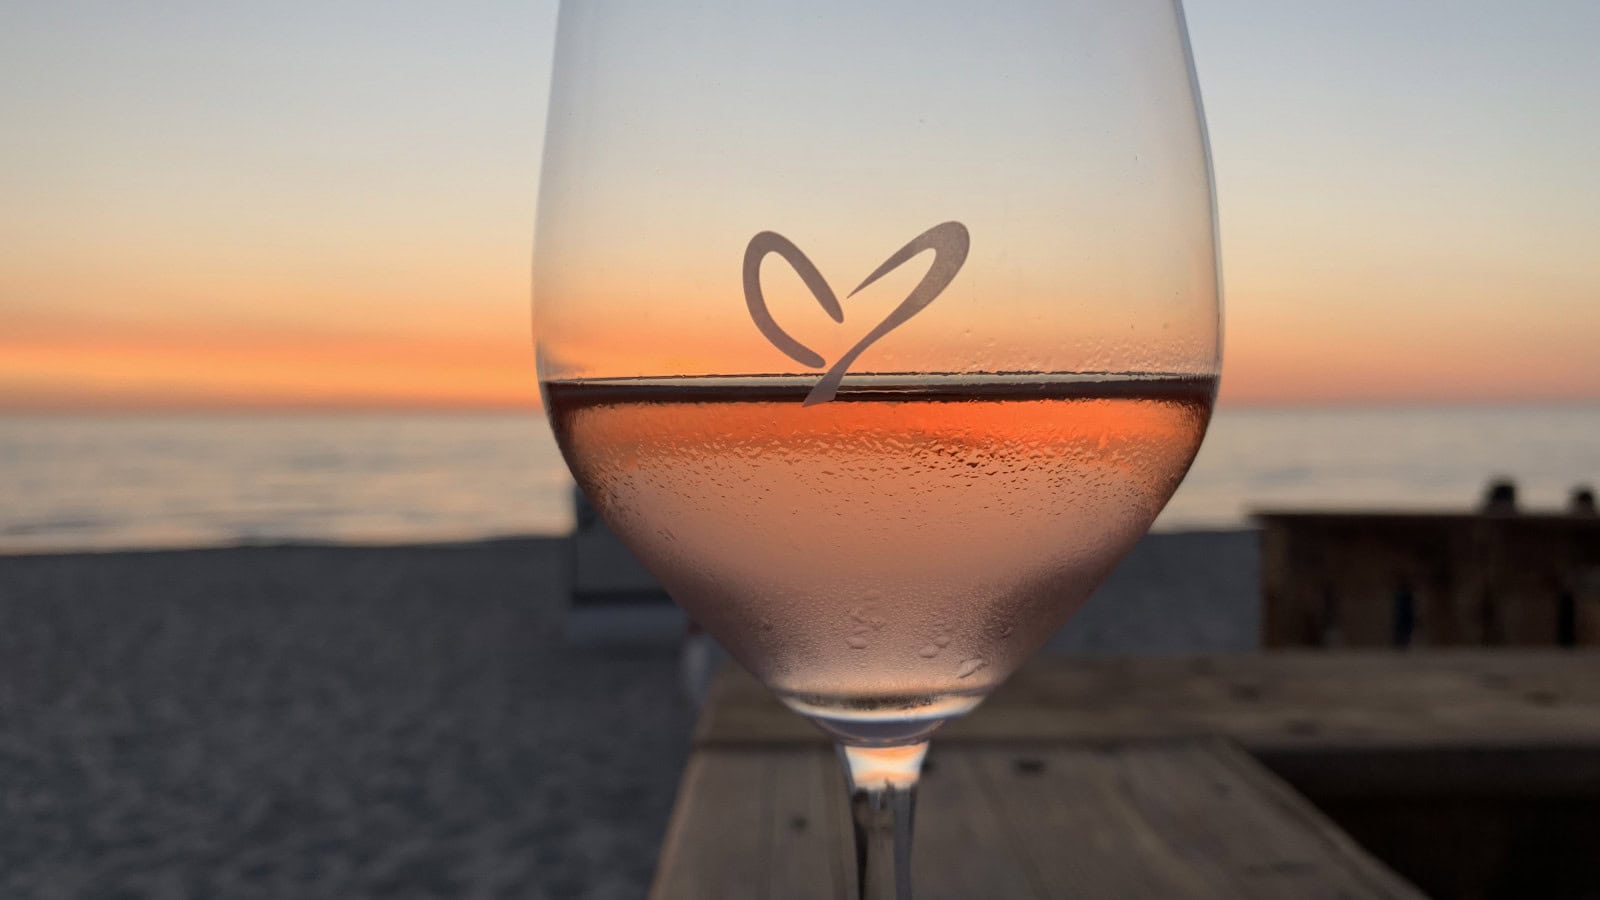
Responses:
[354,407]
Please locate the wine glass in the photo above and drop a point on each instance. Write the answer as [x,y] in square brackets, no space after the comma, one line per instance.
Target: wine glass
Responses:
[879,332]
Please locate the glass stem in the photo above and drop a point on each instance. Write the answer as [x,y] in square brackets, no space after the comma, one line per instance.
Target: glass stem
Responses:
[883,801]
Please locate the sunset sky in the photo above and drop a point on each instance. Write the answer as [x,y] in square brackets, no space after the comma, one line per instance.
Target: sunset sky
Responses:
[216,205]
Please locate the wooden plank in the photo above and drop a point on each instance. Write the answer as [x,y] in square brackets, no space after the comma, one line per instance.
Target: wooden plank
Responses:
[1269,703]
[1529,519]
[1179,819]
[1285,619]
[961,848]
[765,824]
[809,858]
[718,843]
[1069,814]
[1173,819]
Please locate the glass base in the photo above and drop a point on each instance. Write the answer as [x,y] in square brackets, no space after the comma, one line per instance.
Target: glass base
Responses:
[881,721]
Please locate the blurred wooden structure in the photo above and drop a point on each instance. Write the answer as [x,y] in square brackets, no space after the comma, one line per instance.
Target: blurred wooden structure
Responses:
[1475,773]
[1433,580]
[613,599]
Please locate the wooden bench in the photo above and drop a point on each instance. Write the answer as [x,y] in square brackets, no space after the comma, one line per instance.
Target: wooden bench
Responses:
[1389,579]
[613,598]
[1154,778]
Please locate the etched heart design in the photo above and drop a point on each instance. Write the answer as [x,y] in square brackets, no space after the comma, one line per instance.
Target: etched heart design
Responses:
[948,241]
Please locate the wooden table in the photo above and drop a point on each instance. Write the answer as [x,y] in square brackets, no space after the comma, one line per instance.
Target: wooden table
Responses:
[1143,778]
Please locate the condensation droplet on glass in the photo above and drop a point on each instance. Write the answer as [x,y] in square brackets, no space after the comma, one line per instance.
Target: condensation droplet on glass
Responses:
[856,642]
[929,652]
[970,666]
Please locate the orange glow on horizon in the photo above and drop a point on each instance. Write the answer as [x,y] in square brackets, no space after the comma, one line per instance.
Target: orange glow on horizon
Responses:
[271,371]
[1265,363]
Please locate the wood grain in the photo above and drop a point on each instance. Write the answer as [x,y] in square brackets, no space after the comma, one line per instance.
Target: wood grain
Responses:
[1268,703]
[1149,777]
[1172,819]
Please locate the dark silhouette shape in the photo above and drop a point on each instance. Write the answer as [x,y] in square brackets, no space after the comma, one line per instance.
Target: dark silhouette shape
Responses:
[1405,615]
[1567,619]
[1500,498]
[1581,502]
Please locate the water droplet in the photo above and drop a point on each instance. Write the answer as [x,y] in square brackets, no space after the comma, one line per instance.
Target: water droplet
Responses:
[970,666]
[929,652]
[856,642]
[942,640]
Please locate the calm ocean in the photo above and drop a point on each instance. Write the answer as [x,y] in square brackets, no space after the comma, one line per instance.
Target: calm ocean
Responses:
[79,482]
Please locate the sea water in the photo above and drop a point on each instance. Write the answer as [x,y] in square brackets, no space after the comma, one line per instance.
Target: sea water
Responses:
[72,482]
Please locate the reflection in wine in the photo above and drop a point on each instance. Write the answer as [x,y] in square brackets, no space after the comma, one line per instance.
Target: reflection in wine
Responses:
[882,560]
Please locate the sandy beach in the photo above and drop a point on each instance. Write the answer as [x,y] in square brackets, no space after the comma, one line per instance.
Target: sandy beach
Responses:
[340,722]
